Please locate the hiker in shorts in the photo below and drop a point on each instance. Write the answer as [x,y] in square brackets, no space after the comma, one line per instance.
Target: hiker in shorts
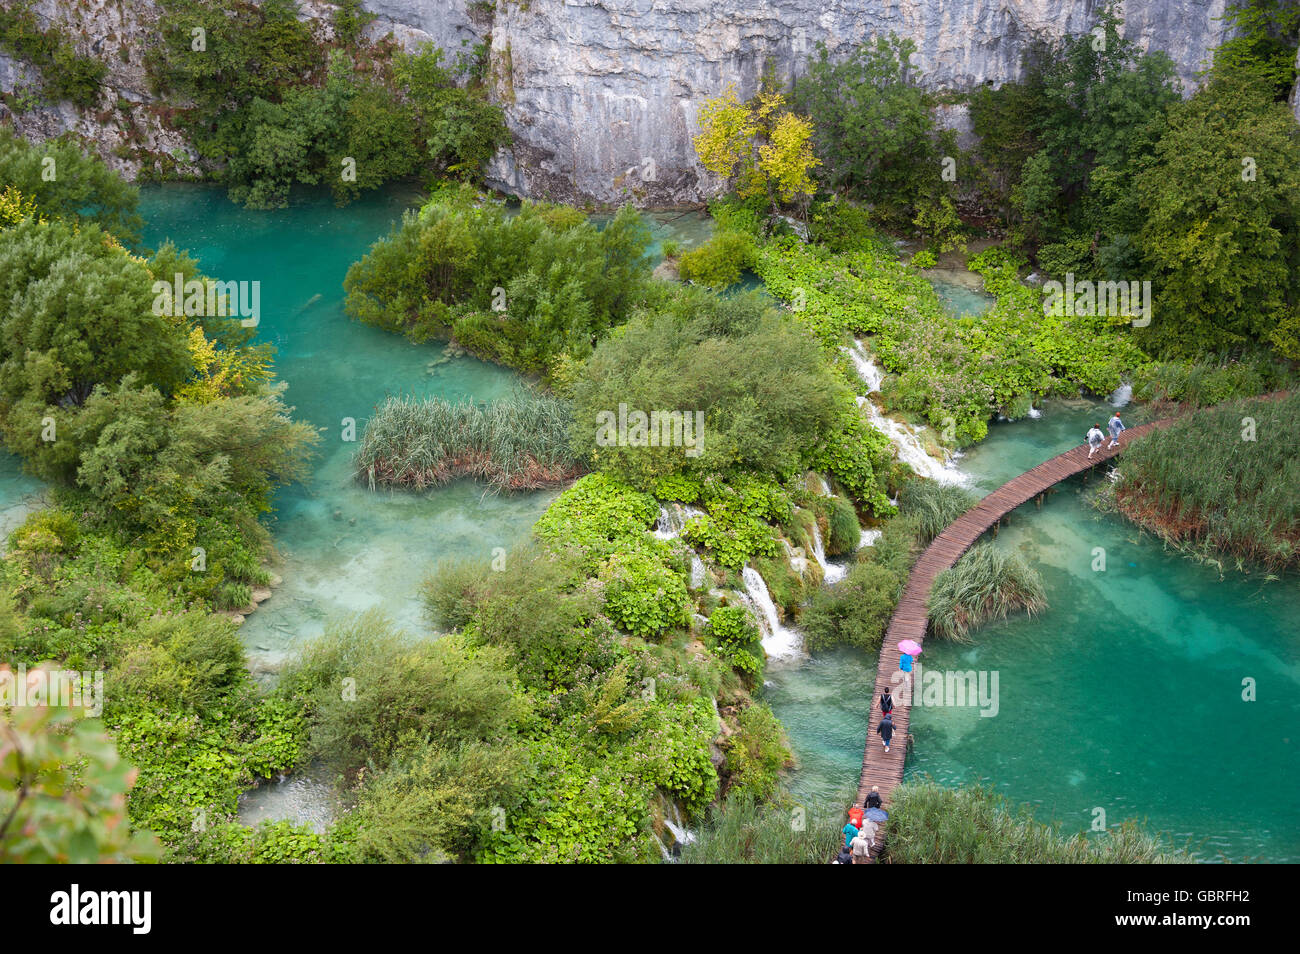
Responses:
[1116,428]
[1095,437]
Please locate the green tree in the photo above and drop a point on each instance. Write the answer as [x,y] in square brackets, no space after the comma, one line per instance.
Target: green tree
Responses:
[1222,232]
[64,182]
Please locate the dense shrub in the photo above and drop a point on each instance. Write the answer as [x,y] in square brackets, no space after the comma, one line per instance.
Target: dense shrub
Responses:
[746,830]
[65,74]
[523,290]
[855,611]
[719,262]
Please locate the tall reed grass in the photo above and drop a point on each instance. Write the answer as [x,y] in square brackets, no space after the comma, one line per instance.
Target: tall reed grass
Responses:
[987,583]
[934,505]
[930,824]
[520,442]
[1225,479]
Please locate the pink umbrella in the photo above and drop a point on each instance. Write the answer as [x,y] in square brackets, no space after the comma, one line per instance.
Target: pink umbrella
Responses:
[910,646]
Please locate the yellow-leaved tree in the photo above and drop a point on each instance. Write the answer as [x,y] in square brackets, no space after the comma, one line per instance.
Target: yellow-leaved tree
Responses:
[759,146]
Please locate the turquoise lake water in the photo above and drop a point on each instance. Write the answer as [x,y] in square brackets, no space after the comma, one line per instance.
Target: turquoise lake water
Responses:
[344,547]
[1124,695]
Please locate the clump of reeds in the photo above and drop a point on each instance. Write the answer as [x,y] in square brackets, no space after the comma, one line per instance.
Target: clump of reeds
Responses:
[987,583]
[930,824]
[1225,479]
[520,442]
[934,505]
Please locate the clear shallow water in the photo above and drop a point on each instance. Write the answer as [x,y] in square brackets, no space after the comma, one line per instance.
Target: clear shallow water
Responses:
[1124,695]
[20,494]
[344,547]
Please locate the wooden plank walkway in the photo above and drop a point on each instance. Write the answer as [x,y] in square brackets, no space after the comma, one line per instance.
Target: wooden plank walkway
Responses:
[911,617]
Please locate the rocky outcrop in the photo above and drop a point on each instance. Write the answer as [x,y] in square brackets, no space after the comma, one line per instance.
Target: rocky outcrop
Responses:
[601,95]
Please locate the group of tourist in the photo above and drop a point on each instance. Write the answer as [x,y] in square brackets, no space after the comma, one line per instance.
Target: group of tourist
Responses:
[863,824]
[1095,436]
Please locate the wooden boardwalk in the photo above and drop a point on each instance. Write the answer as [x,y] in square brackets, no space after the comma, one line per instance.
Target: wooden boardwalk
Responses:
[911,618]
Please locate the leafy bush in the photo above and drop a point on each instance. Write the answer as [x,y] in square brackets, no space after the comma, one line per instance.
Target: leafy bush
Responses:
[643,596]
[756,753]
[520,290]
[855,611]
[719,262]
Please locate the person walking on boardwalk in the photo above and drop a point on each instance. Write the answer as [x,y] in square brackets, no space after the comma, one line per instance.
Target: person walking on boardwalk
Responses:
[1095,437]
[886,729]
[862,842]
[886,701]
[873,798]
[1116,428]
[845,857]
[850,831]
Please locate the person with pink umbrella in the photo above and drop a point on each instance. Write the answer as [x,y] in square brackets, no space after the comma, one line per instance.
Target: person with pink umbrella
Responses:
[907,648]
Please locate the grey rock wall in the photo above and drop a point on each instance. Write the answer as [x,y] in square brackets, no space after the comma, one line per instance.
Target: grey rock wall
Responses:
[602,95]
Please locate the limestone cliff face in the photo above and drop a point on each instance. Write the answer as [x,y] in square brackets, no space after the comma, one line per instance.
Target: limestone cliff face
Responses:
[601,95]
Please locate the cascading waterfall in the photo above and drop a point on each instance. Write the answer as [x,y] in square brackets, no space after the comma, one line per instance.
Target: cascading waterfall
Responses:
[831,572]
[910,449]
[1121,395]
[669,527]
[780,642]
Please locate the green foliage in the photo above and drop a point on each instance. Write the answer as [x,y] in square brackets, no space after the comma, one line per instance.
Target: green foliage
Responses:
[855,611]
[745,830]
[520,290]
[83,188]
[403,693]
[987,583]
[1219,232]
[1059,151]
[520,442]
[643,596]
[599,516]
[933,506]
[280,109]
[765,393]
[930,824]
[738,640]
[874,128]
[65,74]
[844,531]
[756,753]
[719,262]
[1238,495]
[1261,38]
[1213,380]
[62,788]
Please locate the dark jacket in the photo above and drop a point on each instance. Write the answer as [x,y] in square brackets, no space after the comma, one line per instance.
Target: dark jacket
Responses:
[873,800]
[845,857]
[886,729]
[886,702]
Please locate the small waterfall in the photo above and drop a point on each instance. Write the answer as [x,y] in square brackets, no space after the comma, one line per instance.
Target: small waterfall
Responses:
[672,518]
[831,572]
[869,538]
[682,834]
[1121,395]
[910,449]
[697,571]
[872,376]
[778,641]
